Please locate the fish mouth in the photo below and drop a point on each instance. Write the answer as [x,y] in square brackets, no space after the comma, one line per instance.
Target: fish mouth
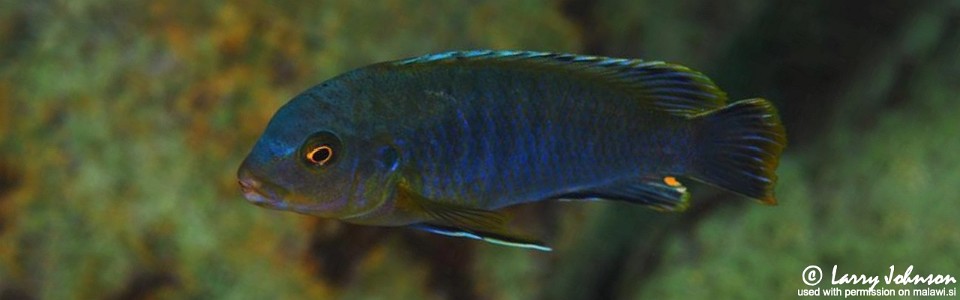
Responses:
[258,192]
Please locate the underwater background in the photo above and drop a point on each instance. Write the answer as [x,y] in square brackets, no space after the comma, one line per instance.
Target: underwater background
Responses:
[122,124]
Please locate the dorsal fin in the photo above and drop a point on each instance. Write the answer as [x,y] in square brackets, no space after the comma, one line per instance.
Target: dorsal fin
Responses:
[668,87]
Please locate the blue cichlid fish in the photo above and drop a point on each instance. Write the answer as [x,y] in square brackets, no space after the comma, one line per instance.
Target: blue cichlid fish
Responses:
[440,142]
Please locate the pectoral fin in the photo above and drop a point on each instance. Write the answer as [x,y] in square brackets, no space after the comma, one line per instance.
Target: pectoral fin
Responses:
[459,221]
[661,193]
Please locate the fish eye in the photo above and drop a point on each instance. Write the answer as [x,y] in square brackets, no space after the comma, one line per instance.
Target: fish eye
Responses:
[320,155]
[320,149]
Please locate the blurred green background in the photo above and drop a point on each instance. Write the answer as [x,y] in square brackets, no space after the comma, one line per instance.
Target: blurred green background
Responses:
[122,124]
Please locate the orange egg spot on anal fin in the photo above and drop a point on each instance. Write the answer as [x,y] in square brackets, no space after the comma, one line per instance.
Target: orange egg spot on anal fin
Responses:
[671,181]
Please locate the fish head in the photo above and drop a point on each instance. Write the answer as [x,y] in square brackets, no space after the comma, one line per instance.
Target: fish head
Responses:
[313,159]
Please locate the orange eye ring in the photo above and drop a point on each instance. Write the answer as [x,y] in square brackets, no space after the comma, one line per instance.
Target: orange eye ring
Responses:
[320,155]
[320,149]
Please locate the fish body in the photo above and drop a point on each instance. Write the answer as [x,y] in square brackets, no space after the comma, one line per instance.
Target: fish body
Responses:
[440,142]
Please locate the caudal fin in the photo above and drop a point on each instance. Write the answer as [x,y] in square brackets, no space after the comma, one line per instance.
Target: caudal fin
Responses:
[739,148]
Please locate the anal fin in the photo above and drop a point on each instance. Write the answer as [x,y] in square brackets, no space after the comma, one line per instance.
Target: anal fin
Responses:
[662,193]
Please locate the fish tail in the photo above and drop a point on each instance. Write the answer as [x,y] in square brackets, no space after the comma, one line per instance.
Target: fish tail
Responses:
[739,148]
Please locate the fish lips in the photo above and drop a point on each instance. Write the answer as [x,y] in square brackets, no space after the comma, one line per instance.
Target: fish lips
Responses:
[259,192]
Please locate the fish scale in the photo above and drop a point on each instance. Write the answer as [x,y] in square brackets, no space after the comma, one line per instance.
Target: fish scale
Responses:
[580,163]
